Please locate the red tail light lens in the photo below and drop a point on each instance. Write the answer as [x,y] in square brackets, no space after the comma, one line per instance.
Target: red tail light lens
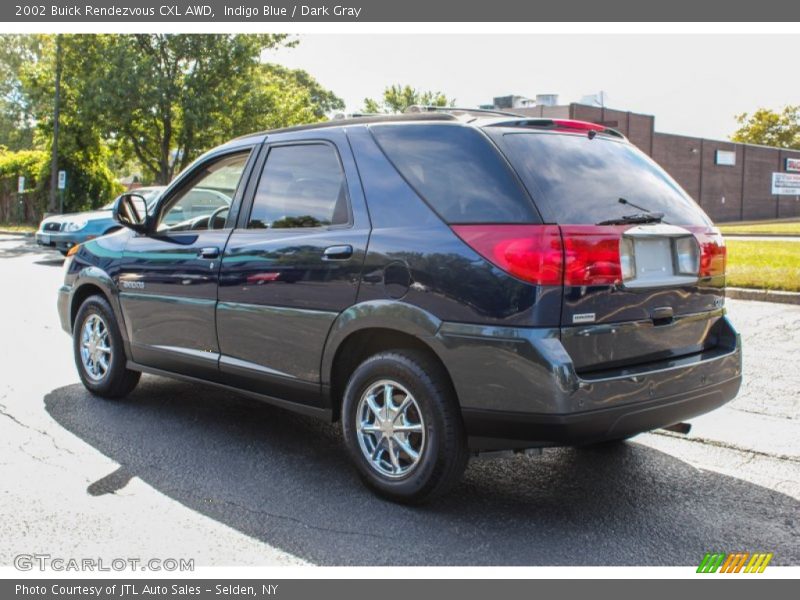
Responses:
[713,253]
[591,254]
[571,124]
[532,253]
[577,255]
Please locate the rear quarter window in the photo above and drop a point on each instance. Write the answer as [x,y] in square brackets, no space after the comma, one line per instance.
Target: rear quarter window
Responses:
[457,171]
[578,180]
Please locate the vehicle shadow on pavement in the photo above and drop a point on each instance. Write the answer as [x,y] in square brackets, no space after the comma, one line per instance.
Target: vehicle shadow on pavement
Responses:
[50,262]
[10,247]
[286,480]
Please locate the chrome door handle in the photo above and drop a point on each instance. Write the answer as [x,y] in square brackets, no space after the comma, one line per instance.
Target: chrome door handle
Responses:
[337,252]
[208,253]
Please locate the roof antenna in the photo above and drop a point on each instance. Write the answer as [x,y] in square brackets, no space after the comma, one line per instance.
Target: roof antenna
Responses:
[592,133]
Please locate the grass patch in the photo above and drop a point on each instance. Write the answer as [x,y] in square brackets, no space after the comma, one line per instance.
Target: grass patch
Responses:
[17,228]
[764,265]
[768,227]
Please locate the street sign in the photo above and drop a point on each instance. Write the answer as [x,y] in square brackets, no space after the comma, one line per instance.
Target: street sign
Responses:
[786,184]
[792,164]
[20,184]
[62,180]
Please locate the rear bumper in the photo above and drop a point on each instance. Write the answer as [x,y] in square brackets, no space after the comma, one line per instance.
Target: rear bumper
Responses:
[497,429]
[530,394]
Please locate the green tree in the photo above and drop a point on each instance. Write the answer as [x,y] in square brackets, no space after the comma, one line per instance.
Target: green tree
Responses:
[321,101]
[397,98]
[156,101]
[167,98]
[16,122]
[33,166]
[770,128]
[279,97]
[83,149]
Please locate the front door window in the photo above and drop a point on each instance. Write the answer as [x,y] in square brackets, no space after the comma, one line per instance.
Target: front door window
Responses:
[205,202]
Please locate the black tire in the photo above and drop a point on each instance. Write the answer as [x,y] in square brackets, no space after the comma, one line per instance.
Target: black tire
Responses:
[117,381]
[443,456]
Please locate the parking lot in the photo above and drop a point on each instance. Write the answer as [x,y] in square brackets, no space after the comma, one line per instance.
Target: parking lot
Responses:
[181,470]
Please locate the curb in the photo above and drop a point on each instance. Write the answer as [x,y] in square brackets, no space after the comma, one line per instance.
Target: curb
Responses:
[19,233]
[763,295]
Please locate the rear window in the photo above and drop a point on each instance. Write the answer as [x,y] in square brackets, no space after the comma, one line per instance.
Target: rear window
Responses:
[578,180]
[458,172]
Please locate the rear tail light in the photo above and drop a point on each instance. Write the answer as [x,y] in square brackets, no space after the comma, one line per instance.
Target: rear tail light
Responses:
[592,254]
[579,255]
[583,255]
[686,255]
[532,253]
[713,253]
[627,259]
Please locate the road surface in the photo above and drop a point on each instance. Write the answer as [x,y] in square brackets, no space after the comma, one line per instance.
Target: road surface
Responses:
[180,470]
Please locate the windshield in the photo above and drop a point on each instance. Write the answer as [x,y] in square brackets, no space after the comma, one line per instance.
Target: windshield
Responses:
[578,180]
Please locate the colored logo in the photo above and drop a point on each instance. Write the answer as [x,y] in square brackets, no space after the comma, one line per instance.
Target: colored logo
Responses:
[738,562]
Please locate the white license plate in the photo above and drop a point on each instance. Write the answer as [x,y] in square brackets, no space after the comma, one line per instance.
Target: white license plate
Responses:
[653,258]
[45,238]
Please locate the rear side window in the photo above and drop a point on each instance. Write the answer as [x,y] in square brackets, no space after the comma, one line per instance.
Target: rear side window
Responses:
[578,180]
[457,171]
[301,186]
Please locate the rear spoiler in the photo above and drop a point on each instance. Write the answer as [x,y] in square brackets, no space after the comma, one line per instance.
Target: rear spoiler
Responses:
[560,125]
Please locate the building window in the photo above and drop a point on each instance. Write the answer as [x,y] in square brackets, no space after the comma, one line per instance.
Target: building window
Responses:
[725,158]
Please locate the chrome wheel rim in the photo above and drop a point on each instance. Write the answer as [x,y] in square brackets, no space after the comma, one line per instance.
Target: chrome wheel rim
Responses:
[390,429]
[95,347]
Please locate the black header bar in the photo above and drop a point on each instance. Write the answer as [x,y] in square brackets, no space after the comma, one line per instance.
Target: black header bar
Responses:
[281,11]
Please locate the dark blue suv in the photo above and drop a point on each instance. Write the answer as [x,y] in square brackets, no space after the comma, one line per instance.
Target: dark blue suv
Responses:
[443,283]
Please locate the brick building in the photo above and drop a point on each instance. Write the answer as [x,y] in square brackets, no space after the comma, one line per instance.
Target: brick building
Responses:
[732,182]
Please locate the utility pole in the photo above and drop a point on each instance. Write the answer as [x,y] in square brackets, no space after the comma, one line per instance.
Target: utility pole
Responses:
[51,204]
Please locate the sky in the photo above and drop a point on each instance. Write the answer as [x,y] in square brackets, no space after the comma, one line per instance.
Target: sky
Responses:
[693,84]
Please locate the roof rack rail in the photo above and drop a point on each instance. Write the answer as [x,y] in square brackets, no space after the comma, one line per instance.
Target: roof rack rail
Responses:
[422,108]
[355,115]
[358,120]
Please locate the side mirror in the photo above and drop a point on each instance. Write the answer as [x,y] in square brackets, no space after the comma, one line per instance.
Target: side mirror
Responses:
[130,210]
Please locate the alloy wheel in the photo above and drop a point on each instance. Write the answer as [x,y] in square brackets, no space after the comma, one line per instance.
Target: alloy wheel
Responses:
[95,347]
[390,429]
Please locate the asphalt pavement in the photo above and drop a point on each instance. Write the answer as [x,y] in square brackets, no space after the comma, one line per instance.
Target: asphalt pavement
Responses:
[183,470]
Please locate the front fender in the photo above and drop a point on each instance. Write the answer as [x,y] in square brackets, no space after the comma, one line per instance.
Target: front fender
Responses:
[98,278]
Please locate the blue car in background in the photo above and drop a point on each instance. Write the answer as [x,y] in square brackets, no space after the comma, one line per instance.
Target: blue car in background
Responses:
[62,232]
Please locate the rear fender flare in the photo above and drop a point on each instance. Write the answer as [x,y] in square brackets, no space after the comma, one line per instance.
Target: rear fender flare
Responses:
[378,314]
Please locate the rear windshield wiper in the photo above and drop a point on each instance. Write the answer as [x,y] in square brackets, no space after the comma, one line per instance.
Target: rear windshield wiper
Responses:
[648,217]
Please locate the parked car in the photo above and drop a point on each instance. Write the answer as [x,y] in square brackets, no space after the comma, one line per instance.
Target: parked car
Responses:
[62,232]
[444,284]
